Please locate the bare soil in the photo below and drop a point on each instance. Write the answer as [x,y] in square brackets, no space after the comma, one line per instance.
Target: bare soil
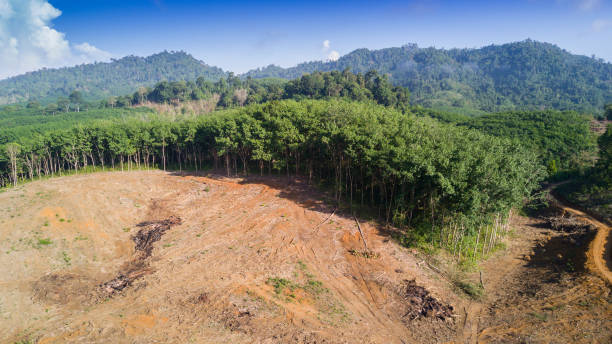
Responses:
[144,257]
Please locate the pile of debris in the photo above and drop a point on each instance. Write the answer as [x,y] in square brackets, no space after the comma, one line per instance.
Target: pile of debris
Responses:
[422,304]
[568,224]
[150,232]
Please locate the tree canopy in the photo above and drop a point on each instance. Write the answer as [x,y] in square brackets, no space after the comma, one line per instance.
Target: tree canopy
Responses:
[101,80]
[525,75]
[561,138]
[232,91]
[410,168]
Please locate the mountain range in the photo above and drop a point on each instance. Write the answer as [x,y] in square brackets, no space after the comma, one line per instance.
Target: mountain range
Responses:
[101,80]
[519,75]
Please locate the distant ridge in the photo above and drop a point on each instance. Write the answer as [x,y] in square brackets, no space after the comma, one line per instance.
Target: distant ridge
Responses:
[104,79]
[513,76]
[520,75]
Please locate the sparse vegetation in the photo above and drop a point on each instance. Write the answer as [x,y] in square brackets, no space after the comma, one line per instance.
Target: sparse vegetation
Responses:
[364,254]
[80,237]
[66,258]
[286,288]
[283,286]
[473,290]
[44,242]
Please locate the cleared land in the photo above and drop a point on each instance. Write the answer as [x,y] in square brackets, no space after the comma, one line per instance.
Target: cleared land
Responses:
[146,257]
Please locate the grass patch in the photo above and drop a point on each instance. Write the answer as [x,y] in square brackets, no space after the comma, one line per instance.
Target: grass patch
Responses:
[462,284]
[66,258]
[283,287]
[473,290]
[80,238]
[44,242]
[315,287]
[330,310]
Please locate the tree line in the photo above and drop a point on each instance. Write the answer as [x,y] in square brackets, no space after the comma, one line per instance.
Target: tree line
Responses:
[593,190]
[22,124]
[234,91]
[412,170]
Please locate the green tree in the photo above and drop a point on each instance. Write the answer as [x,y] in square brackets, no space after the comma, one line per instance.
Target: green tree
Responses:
[63,103]
[603,167]
[33,104]
[76,99]
[608,112]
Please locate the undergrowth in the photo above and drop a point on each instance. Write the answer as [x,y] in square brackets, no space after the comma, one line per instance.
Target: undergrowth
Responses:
[466,245]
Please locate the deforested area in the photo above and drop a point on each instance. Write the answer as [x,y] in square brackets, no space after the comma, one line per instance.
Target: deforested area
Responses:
[299,172]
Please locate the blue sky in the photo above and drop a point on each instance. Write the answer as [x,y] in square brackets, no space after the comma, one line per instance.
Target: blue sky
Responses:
[240,35]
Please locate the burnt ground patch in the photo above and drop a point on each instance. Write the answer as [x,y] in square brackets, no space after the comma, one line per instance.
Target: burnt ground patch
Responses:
[149,233]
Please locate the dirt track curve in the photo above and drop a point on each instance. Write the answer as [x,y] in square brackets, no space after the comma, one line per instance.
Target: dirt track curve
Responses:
[599,255]
[547,286]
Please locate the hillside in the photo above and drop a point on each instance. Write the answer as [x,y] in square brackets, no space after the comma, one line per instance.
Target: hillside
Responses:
[516,76]
[521,75]
[102,80]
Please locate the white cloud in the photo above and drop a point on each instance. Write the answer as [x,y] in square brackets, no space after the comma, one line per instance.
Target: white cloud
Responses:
[333,56]
[28,42]
[89,52]
[600,25]
[587,5]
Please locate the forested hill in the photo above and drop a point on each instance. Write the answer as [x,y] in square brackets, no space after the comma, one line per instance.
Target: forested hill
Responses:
[525,75]
[521,75]
[101,80]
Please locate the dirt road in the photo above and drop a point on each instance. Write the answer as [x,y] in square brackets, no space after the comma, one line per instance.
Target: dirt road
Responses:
[600,250]
[548,286]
